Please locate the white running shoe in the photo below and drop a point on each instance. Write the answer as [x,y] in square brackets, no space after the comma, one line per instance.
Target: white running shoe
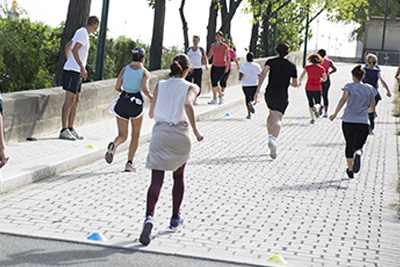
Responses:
[221,100]
[272,147]
[213,102]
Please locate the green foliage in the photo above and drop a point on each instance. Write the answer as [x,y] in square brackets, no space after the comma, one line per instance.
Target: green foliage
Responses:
[168,56]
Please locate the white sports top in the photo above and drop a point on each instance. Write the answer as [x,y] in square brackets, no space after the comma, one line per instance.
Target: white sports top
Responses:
[195,57]
[170,103]
[81,36]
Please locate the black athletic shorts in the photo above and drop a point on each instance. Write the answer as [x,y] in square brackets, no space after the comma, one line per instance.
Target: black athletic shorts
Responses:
[1,108]
[72,81]
[276,104]
[129,106]
[217,73]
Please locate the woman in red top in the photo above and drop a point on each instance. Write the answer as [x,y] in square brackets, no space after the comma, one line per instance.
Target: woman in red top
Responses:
[220,53]
[313,86]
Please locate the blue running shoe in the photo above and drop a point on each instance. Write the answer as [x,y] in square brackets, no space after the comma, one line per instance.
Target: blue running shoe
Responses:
[145,236]
[176,222]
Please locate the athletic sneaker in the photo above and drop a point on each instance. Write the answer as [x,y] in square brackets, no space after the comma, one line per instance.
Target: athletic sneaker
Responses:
[174,223]
[356,162]
[67,135]
[316,113]
[74,133]
[248,116]
[221,100]
[145,236]
[129,167]
[213,102]
[251,108]
[326,115]
[312,121]
[350,174]
[110,152]
[272,147]
[321,110]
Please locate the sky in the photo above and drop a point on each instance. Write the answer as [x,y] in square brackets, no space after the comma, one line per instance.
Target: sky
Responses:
[134,19]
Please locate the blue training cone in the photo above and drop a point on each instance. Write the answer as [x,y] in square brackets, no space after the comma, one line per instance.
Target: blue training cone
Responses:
[227,115]
[97,237]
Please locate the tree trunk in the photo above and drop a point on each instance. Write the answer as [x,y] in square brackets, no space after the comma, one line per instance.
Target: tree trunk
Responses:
[265,32]
[212,25]
[78,14]
[158,35]
[184,25]
[232,10]
[224,15]
[255,27]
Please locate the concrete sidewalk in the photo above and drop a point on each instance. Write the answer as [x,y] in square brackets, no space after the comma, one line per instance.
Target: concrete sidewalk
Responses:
[32,161]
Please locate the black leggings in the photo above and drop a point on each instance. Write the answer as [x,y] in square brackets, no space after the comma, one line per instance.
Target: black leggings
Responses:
[157,179]
[195,77]
[325,89]
[355,135]
[249,92]
[314,97]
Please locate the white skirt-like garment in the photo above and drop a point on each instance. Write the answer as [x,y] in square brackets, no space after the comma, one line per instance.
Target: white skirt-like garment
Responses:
[170,146]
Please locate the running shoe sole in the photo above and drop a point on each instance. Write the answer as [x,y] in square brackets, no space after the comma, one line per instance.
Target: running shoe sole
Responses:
[272,148]
[356,163]
[110,153]
[145,235]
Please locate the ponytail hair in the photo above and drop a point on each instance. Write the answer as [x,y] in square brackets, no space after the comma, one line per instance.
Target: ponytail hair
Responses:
[315,59]
[179,64]
[137,54]
[358,72]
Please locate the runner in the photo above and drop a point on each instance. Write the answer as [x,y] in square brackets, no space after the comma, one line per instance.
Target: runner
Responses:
[313,86]
[220,53]
[170,143]
[372,76]
[196,55]
[232,55]
[3,155]
[281,71]
[359,97]
[248,74]
[134,78]
[327,64]
[74,72]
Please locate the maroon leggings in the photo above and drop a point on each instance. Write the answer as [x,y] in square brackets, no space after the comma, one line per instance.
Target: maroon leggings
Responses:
[157,179]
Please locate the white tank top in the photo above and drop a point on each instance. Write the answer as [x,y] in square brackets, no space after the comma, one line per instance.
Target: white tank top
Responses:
[195,58]
[171,97]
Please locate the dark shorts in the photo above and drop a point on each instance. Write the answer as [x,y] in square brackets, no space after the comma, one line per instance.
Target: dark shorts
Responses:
[249,92]
[217,74]
[72,81]
[129,106]
[224,78]
[1,108]
[276,104]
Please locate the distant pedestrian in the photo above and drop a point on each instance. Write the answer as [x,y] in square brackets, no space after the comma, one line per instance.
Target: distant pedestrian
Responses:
[170,143]
[329,69]
[134,79]
[316,74]
[281,73]
[359,97]
[3,155]
[372,76]
[197,57]
[76,51]
[248,74]
[232,55]
[220,54]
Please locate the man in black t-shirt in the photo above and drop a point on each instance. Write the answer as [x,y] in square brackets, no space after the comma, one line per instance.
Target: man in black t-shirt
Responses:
[281,71]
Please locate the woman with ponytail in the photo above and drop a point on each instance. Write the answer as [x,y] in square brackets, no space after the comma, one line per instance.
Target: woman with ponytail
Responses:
[134,79]
[359,97]
[170,144]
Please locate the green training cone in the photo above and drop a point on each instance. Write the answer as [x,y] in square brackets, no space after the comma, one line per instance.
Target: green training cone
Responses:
[90,146]
[277,259]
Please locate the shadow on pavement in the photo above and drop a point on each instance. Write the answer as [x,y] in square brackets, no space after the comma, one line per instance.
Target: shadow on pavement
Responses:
[331,184]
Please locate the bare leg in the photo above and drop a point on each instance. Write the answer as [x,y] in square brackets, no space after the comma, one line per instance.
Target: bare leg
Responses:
[350,163]
[122,132]
[66,109]
[74,107]
[276,123]
[136,127]
[311,113]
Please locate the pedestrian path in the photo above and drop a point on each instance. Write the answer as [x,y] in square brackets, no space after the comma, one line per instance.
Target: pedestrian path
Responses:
[240,206]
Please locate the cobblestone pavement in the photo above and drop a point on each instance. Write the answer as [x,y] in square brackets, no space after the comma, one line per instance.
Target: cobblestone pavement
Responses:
[240,206]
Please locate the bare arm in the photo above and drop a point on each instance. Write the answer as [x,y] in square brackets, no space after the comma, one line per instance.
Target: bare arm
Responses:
[210,54]
[261,79]
[191,96]
[384,84]
[240,76]
[236,61]
[3,155]
[145,85]
[75,52]
[333,67]
[153,102]
[294,82]
[205,58]
[68,49]
[324,77]
[118,85]
[397,75]
[302,76]
[340,104]
[227,60]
